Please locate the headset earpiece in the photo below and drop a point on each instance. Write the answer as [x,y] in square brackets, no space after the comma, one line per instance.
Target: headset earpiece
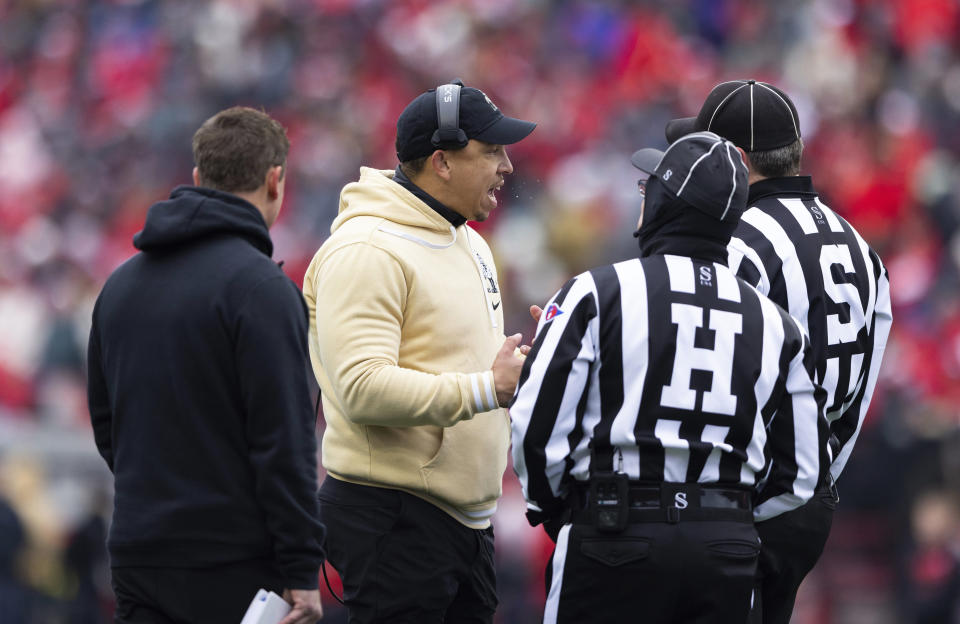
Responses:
[449,134]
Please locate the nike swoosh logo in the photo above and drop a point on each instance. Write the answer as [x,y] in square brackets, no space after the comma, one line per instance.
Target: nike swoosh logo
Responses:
[496,305]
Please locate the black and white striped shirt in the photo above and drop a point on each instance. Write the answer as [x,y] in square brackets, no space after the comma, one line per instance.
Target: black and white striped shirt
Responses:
[811,262]
[678,372]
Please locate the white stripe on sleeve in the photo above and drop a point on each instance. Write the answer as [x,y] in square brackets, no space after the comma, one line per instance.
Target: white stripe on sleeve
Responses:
[476,392]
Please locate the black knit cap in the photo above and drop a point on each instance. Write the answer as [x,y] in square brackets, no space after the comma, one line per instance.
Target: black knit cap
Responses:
[755,115]
[703,169]
[480,119]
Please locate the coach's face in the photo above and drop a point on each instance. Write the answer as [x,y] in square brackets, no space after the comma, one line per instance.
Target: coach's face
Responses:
[475,175]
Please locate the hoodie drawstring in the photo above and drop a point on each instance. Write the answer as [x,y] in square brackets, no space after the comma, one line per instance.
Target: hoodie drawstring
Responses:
[420,241]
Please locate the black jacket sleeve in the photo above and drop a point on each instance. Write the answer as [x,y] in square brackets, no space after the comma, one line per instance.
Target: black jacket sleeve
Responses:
[98,399]
[272,364]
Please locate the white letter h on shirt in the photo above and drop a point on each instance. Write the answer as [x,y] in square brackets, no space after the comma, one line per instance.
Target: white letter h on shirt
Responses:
[719,360]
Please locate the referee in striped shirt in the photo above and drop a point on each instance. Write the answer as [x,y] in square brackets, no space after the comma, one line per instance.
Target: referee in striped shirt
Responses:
[656,412]
[811,262]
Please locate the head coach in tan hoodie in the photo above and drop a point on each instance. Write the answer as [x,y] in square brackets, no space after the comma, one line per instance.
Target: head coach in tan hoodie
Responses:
[407,343]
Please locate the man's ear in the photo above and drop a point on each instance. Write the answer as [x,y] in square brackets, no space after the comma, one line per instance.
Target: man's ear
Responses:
[274,176]
[743,155]
[440,164]
[196,176]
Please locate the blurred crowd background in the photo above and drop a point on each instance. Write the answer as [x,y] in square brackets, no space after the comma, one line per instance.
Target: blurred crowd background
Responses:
[99,100]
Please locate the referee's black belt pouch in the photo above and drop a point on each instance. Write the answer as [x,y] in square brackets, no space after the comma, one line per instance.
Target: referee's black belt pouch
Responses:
[671,502]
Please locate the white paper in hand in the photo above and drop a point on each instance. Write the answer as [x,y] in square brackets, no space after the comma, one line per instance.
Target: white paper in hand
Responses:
[266,608]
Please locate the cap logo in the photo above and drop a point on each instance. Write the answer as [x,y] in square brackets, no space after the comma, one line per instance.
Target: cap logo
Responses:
[667,174]
[490,102]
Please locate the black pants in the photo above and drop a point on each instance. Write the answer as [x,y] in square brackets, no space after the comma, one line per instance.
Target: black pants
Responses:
[792,544]
[654,572]
[402,559]
[212,595]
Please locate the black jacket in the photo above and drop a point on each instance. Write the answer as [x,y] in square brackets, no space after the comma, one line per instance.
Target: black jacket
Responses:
[198,395]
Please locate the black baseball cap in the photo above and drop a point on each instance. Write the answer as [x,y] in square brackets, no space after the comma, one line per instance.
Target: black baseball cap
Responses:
[480,119]
[703,169]
[755,115]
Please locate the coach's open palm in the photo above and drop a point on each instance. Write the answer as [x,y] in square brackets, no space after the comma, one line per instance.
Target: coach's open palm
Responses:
[506,369]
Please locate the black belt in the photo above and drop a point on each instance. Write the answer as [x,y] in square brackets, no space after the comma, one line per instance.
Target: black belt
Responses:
[671,502]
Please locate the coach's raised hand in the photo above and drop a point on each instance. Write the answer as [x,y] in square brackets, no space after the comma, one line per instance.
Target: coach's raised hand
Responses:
[506,369]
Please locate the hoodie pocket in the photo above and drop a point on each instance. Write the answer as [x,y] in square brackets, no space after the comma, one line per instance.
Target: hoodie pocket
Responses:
[398,453]
[468,468]
[436,455]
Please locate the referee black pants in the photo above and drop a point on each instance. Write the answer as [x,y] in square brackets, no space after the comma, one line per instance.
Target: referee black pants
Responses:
[403,560]
[792,544]
[694,572]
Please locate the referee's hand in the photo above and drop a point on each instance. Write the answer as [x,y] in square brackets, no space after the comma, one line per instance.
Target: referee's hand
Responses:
[506,369]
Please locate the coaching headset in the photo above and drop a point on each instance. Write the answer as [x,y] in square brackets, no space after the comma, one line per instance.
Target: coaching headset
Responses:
[449,135]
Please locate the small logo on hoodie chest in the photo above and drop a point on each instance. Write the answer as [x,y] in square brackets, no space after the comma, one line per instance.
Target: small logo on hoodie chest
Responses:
[487,275]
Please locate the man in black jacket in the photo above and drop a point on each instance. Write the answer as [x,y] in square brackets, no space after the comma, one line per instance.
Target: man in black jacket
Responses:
[199,400]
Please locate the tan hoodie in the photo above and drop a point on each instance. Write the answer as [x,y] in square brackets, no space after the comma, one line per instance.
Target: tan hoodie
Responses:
[405,322]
